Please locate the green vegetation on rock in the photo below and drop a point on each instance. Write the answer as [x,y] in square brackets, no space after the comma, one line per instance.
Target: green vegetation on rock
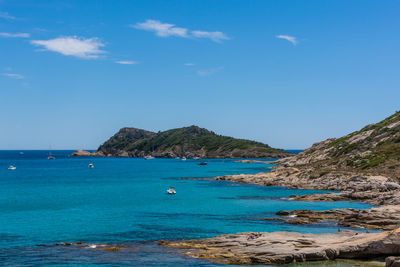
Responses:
[190,141]
[375,149]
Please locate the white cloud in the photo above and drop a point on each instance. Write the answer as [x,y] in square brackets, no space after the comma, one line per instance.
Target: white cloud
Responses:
[209,71]
[14,35]
[190,64]
[72,46]
[161,29]
[289,38]
[214,36]
[167,29]
[126,62]
[14,76]
[5,15]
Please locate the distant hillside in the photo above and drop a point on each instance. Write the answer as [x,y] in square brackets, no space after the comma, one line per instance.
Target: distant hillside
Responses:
[375,149]
[190,141]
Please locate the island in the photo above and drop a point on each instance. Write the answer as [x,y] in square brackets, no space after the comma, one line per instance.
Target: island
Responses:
[190,142]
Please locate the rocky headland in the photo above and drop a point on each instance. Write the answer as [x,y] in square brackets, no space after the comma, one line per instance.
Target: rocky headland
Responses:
[191,141]
[363,166]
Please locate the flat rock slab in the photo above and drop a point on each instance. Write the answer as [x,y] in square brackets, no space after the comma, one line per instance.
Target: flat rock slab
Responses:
[291,247]
[381,218]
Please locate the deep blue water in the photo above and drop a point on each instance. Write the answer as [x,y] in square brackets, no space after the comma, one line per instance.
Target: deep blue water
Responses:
[124,200]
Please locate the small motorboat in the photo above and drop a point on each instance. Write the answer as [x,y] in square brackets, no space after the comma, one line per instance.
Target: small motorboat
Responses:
[183,158]
[171,191]
[202,163]
[51,157]
[12,167]
[91,166]
[196,158]
[148,157]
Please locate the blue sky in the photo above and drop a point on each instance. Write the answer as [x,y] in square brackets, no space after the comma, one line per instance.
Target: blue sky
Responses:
[287,73]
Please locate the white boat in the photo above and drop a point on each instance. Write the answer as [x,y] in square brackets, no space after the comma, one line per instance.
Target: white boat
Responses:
[148,157]
[12,167]
[196,158]
[183,158]
[91,166]
[171,191]
[50,156]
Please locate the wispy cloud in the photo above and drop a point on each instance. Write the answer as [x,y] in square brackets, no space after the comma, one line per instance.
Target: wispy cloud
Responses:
[214,36]
[289,38]
[189,64]
[161,29]
[13,76]
[167,29]
[5,15]
[73,46]
[14,35]
[126,62]
[209,71]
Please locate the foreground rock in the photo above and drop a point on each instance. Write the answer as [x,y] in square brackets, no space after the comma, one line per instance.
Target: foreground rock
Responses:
[382,218]
[291,247]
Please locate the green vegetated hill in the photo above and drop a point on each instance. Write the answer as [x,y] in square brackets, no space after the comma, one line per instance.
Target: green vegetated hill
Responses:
[375,149]
[190,141]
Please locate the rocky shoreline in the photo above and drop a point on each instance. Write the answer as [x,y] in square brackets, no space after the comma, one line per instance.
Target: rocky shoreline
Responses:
[376,190]
[289,247]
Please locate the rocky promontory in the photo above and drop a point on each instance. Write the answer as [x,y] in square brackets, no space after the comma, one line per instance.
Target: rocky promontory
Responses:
[84,153]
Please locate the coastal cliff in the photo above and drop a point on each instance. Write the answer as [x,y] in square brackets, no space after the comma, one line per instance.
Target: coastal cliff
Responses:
[191,141]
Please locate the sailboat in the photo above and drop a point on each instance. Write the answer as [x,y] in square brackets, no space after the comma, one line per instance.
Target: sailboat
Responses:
[49,155]
[183,152]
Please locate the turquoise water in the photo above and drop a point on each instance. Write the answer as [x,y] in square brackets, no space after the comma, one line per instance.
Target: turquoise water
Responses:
[124,200]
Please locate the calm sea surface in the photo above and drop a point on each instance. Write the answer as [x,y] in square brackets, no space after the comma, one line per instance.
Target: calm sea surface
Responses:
[124,200]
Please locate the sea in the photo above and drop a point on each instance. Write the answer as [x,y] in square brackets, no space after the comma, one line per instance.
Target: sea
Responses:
[123,201]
